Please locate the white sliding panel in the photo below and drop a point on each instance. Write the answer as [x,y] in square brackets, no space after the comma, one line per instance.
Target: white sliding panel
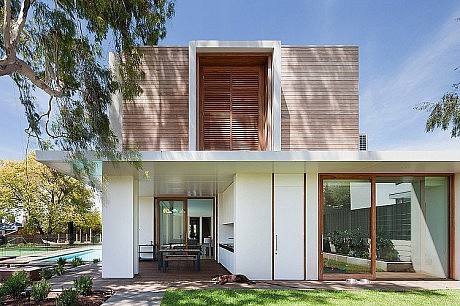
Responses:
[289,227]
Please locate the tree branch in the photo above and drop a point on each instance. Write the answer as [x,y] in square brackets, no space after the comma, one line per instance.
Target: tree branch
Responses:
[26,71]
[7,26]
[19,24]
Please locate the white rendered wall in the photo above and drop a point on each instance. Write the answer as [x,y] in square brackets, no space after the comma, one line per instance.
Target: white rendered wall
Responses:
[146,229]
[253,228]
[289,227]
[456,192]
[118,224]
[312,226]
[146,205]
[135,226]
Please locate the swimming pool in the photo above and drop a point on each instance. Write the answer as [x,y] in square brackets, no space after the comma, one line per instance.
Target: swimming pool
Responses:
[86,255]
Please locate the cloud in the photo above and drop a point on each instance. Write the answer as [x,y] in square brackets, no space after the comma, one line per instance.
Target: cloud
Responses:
[387,104]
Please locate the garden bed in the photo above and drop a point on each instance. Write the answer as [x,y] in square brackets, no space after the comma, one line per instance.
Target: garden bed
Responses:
[97,297]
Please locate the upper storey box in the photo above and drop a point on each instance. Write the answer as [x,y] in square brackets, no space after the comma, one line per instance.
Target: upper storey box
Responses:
[243,95]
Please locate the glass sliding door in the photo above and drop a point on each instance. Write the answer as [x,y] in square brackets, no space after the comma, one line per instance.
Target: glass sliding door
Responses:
[412,227]
[346,222]
[386,227]
[172,219]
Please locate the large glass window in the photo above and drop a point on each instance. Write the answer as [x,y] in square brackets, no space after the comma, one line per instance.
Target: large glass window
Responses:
[172,221]
[386,226]
[412,226]
[346,227]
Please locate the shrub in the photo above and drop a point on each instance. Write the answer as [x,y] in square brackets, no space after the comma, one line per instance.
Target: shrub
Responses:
[68,297]
[77,261]
[46,273]
[350,242]
[96,260]
[15,284]
[385,248]
[83,285]
[40,290]
[61,261]
[59,270]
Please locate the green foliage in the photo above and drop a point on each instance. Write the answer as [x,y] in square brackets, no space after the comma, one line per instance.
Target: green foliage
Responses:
[352,243]
[96,260]
[40,290]
[46,273]
[336,195]
[47,198]
[77,261]
[444,114]
[59,270]
[15,284]
[61,45]
[68,297]
[83,285]
[61,261]
[385,248]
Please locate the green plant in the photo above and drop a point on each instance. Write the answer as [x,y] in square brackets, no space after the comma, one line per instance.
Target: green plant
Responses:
[68,297]
[77,261]
[46,273]
[40,290]
[350,243]
[15,284]
[61,261]
[83,285]
[385,248]
[96,260]
[59,270]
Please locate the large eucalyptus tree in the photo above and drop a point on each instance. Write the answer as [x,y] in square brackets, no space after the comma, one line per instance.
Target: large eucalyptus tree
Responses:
[60,47]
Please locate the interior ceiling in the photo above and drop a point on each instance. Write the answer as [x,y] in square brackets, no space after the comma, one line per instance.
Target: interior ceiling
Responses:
[205,174]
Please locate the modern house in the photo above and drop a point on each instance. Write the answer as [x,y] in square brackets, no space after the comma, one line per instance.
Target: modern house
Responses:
[254,148]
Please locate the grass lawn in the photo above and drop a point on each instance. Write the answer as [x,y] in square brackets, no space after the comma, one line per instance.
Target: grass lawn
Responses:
[310,297]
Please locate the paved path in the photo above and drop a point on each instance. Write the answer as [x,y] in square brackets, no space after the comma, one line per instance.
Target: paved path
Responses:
[142,291]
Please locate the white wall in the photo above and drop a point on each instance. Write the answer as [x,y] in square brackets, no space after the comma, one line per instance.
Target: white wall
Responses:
[457,225]
[135,229]
[118,223]
[253,228]
[226,214]
[311,242]
[146,228]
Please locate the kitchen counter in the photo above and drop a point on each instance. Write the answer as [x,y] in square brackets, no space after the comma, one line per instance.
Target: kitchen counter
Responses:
[227,246]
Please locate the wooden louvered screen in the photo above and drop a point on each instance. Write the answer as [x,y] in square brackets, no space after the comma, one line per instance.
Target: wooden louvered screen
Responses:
[232,107]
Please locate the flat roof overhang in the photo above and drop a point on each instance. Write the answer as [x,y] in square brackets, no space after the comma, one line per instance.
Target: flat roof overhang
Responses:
[206,173]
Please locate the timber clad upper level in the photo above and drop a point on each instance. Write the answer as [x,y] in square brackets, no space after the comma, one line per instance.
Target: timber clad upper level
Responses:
[235,103]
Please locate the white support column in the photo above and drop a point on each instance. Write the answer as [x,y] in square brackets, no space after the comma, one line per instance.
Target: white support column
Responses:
[192,82]
[457,226]
[118,225]
[312,226]
[276,96]
[136,226]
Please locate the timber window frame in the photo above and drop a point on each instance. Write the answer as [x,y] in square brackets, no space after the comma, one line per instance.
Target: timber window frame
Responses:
[243,81]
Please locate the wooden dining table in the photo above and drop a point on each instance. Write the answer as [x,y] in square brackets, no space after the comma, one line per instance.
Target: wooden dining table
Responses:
[182,254]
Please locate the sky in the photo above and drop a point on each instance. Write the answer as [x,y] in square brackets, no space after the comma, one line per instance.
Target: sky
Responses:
[408,52]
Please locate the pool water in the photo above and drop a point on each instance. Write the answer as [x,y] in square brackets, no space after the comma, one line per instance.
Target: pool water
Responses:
[86,255]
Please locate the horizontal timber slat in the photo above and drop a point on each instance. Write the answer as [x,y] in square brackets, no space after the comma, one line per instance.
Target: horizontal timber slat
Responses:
[319,107]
